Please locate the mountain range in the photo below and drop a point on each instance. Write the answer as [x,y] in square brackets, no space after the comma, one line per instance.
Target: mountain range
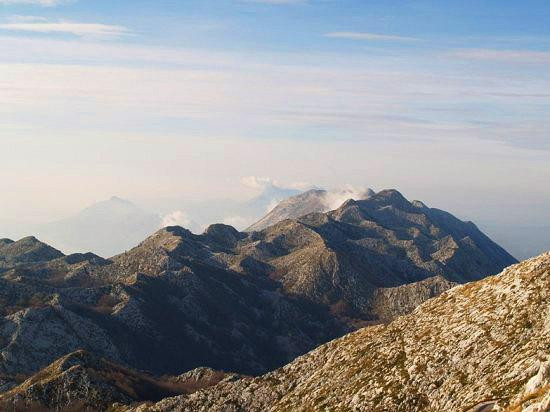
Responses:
[242,302]
[116,225]
[482,346]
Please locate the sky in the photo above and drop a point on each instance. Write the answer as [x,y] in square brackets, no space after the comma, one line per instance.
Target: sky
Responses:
[448,102]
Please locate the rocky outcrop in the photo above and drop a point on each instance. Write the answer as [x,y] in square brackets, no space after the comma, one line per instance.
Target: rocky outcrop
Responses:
[400,300]
[84,382]
[484,346]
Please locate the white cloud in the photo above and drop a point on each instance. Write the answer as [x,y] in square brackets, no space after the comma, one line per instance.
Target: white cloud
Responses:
[238,222]
[43,3]
[255,182]
[367,36]
[302,186]
[25,19]
[15,49]
[39,25]
[335,198]
[176,218]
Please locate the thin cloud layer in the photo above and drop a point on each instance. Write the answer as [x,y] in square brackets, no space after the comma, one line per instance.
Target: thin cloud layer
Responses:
[368,36]
[39,25]
[124,88]
[516,56]
[43,3]
[275,1]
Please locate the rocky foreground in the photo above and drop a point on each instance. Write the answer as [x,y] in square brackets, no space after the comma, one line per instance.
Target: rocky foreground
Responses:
[484,346]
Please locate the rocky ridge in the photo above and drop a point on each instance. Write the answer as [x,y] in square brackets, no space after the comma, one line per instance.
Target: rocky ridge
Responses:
[241,302]
[483,346]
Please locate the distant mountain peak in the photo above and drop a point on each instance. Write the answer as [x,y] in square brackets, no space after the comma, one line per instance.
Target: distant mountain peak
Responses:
[224,234]
[174,231]
[114,203]
[311,201]
[223,230]
[107,228]
[28,240]
[119,200]
[348,203]
[392,195]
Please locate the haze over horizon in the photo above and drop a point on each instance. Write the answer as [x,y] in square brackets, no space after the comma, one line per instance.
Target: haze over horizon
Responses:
[156,101]
[115,225]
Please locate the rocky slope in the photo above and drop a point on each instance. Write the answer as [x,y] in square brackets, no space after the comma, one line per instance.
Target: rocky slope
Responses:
[346,258]
[484,346]
[166,324]
[241,302]
[81,381]
[154,309]
[312,201]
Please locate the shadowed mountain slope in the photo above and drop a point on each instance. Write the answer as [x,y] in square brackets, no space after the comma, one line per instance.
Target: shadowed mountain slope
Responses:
[347,258]
[483,346]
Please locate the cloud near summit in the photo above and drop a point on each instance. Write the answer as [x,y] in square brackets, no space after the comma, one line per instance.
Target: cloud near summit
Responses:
[255,182]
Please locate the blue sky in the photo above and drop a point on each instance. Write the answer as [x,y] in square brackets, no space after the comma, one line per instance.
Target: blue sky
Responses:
[446,101]
[294,25]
